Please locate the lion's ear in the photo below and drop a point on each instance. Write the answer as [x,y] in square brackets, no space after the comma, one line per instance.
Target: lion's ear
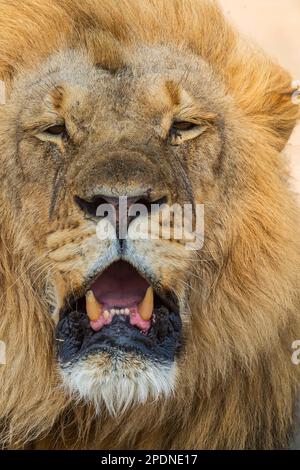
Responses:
[275,108]
[282,113]
[265,92]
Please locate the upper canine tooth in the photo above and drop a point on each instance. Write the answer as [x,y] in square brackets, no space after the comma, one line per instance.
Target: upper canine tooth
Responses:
[146,306]
[93,308]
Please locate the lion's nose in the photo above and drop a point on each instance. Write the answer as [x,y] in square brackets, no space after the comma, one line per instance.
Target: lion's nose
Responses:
[126,206]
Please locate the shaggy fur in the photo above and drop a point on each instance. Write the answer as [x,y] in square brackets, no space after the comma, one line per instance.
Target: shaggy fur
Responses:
[236,385]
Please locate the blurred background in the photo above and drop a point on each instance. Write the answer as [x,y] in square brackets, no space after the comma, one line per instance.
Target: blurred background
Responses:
[274,25]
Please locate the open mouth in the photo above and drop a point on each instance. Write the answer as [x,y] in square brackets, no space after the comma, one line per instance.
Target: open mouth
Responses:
[120,311]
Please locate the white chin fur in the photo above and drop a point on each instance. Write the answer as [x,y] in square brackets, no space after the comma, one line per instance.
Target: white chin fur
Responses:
[127,383]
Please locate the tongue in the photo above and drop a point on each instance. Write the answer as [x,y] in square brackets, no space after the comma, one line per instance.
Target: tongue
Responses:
[120,285]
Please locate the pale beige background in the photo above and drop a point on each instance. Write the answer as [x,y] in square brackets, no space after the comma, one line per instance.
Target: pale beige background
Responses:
[274,25]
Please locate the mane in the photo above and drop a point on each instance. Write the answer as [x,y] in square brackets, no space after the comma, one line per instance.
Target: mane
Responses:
[243,325]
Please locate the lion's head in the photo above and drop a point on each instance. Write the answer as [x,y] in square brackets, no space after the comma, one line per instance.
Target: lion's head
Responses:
[130,323]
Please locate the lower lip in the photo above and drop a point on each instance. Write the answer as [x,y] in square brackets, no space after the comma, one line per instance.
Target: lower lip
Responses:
[76,340]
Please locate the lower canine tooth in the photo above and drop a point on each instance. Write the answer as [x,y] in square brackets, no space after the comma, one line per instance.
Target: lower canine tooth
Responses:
[145,308]
[106,314]
[93,308]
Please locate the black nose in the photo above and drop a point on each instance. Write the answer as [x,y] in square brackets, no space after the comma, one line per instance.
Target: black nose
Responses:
[97,206]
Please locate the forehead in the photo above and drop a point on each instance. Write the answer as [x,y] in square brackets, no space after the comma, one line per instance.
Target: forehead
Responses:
[70,85]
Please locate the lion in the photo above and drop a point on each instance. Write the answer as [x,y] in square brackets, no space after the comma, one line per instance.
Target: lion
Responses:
[141,342]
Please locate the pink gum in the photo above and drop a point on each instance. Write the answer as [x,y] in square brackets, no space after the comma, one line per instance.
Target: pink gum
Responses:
[135,320]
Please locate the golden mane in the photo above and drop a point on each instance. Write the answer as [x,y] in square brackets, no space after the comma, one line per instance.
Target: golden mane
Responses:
[246,327]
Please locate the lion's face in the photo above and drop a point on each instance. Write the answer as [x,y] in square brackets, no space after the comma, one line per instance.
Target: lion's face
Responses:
[150,131]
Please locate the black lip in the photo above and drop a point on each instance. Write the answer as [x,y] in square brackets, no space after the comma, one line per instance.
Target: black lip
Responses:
[76,340]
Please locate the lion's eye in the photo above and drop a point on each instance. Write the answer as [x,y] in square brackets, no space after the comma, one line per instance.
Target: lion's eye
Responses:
[181,131]
[183,125]
[53,133]
[57,130]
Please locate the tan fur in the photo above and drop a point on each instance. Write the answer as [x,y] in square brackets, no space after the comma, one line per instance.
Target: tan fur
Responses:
[237,386]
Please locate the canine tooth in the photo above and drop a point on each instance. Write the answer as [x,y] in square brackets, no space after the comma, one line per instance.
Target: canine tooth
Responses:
[106,314]
[146,306]
[93,308]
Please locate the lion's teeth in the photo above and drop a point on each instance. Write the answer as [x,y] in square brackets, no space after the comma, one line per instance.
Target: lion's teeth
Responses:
[93,308]
[146,306]
[106,314]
